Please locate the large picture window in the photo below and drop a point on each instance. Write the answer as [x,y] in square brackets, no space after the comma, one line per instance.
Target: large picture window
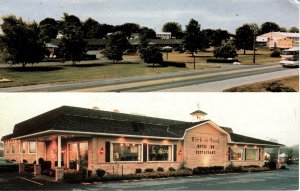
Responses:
[159,152]
[251,154]
[32,147]
[236,153]
[127,152]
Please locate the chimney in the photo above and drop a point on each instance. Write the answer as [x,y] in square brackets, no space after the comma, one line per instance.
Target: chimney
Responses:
[198,115]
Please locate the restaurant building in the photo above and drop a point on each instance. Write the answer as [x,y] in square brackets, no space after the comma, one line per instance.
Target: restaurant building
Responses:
[118,142]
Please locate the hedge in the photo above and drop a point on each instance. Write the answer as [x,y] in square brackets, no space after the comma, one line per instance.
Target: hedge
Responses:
[175,64]
[221,60]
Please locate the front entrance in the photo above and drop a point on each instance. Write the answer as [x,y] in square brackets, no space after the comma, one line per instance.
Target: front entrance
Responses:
[77,157]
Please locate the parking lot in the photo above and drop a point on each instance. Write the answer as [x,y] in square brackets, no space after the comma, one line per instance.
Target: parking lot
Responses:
[271,180]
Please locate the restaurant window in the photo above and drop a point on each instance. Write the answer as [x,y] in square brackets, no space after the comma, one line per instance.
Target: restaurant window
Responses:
[24,150]
[13,148]
[7,148]
[126,152]
[251,154]
[32,147]
[236,153]
[159,152]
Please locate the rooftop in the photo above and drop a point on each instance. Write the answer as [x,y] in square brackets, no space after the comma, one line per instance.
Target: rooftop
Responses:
[71,119]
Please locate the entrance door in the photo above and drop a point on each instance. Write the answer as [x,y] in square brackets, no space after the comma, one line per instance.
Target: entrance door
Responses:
[77,155]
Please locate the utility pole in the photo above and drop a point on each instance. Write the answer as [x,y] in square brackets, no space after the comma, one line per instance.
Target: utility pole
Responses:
[254,40]
[194,61]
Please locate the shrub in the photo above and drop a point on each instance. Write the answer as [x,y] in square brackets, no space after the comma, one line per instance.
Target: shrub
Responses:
[221,60]
[85,173]
[175,64]
[196,171]
[275,54]
[227,50]
[138,170]
[151,55]
[278,87]
[171,169]
[148,170]
[160,169]
[100,172]
[72,177]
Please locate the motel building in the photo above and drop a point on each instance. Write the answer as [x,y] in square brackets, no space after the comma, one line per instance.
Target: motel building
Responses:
[119,142]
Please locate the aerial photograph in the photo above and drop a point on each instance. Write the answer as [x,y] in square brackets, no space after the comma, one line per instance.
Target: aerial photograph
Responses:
[146,46]
[149,95]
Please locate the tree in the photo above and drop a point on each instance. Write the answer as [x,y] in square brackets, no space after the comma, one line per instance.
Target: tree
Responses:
[48,29]
[91,29]
[193,39]
[219,37]
[174,28]
[117,44]
[128,29]
[244,38]
[294,30]
[22,42]
[152,55]
[269,27]
[72,45]
[227,50]
[283,29]
[104,29]
[145,35]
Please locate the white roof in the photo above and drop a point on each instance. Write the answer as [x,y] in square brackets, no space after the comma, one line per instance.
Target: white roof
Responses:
[163,33]
[280,34]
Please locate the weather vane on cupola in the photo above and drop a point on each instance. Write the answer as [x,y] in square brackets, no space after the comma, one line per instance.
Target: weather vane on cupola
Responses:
[198,115]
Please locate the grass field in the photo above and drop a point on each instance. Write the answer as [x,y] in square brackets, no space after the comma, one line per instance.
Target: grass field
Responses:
[132,65]
[292,82]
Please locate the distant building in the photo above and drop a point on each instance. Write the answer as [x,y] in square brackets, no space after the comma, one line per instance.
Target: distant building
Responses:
[164,35]
[281,40]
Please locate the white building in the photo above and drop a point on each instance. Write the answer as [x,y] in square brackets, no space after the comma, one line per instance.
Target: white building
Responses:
[164,35]
[271,39]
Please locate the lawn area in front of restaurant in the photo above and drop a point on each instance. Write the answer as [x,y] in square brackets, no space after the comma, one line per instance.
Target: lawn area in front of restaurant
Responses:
[291,81]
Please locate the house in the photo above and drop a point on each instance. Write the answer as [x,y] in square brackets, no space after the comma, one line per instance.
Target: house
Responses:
[119,142]
[271,39]
[164,35]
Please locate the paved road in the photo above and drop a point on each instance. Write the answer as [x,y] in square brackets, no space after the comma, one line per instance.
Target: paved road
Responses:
[156,82]
[272,180]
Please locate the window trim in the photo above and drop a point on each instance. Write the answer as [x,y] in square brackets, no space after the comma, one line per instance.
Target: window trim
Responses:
[28,146]
[112,150]
[256,157]
[13,151]
[242,154]
[23,143]
[172,151]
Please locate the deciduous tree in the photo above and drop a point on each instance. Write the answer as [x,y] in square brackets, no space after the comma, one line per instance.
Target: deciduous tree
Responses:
[244,38]
[117,44]
[227,50]
[151,55]
[48,29]
[22,42]
[72,45]
[174,28]
[294,30]
[269,27]
[193,39]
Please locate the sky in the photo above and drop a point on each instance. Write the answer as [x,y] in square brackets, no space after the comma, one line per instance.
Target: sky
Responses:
[261,115]
[214,14]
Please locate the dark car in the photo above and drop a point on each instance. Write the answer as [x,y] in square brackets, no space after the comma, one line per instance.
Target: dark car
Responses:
[7,165]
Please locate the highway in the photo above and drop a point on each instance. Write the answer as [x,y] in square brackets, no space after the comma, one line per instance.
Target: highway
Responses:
[232,75]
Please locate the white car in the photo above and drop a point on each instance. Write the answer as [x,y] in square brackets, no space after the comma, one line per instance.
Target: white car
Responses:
[289,62]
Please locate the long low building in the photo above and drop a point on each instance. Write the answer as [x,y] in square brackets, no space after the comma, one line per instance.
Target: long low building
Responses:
[112,140]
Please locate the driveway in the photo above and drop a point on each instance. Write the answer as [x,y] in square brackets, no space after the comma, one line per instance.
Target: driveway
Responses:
[272,180]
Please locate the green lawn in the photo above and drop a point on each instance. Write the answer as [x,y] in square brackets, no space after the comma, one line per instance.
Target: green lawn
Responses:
[43,73]
[82,72]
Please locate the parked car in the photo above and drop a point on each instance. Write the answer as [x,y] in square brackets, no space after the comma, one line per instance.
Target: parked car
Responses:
[8,166]
[166,49]
[293,62]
